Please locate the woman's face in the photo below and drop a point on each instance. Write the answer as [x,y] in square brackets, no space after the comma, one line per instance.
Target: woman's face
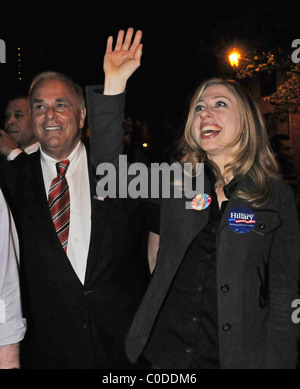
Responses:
[217,122]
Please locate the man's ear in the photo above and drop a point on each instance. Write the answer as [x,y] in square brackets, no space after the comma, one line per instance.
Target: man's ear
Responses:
[82,118]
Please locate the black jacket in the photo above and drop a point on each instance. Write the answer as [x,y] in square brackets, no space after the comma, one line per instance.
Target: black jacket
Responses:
[257,272]
[71,325]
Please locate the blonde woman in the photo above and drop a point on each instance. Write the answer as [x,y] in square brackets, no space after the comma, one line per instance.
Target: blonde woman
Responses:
[241,150]
[227,273]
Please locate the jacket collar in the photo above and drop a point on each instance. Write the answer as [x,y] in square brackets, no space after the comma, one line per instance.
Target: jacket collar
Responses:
[229,190]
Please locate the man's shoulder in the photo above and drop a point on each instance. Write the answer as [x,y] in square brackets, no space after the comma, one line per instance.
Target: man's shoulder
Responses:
[22,164]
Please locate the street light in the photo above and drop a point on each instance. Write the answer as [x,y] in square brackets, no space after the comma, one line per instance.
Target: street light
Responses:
[234,58]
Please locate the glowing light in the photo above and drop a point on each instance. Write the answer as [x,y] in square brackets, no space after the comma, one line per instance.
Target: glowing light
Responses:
[19,64]
[234,58]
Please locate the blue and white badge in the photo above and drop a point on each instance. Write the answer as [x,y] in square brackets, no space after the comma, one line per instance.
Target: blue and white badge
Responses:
[241,220]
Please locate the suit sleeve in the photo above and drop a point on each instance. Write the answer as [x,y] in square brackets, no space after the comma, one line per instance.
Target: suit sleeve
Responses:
[105,119]
[283,334]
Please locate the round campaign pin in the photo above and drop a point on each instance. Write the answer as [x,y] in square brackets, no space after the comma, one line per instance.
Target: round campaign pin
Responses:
[201,201]
[241,220]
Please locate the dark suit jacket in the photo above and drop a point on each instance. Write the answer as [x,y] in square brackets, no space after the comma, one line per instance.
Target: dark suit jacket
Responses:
[71,325]
[257,272]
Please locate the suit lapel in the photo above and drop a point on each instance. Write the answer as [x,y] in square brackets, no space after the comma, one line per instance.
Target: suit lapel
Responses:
[198,219]
[181,226]
[98,217]
[46,228]
[98,212]
[35,193]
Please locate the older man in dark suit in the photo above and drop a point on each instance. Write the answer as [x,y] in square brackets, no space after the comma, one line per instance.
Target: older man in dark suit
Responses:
[80,287]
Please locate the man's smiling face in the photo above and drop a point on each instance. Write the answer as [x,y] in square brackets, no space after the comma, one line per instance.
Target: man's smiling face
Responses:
[56,117]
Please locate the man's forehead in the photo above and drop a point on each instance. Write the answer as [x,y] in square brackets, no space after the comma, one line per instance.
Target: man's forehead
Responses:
[36,99]
[54,88]
[20,104]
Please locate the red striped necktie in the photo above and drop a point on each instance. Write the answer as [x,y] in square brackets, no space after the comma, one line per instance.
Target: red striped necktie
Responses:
[59,203]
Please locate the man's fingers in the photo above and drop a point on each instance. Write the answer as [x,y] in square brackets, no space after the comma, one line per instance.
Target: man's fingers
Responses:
[125,44]
[138,52]
[119,42]
[109,44]
[128,38]
[137,41]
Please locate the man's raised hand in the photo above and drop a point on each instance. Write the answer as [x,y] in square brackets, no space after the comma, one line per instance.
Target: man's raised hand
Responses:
[122,61]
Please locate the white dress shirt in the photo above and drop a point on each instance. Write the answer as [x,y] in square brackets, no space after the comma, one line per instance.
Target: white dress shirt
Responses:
[12,324]
[80,204]
[28,150]
[32,148]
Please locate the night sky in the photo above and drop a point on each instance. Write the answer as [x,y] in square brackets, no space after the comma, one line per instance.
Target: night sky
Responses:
[184,43]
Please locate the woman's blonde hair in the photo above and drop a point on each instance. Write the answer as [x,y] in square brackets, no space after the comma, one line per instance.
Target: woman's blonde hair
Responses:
[254,156]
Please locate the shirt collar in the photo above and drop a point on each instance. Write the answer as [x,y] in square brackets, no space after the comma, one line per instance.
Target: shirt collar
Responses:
[72,157]
[32,148]
[228,188]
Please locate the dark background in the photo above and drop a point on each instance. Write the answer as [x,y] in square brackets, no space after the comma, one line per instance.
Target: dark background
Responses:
[184,43]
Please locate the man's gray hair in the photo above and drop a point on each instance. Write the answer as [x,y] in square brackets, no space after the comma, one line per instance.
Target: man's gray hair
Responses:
[50,75]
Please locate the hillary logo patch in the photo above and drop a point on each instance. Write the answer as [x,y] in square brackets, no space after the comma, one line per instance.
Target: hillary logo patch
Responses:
[241,220]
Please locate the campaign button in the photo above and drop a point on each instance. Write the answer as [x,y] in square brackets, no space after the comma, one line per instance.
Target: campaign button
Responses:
[201,201]
[241,220]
